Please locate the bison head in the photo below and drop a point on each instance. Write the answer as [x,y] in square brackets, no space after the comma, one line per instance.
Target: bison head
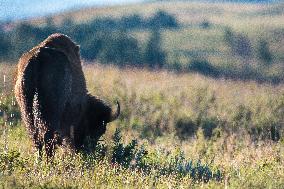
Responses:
[97,115]
[64,44]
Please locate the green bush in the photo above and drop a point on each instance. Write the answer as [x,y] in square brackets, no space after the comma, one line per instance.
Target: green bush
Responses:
[263,51]
[119,48]
[134,21]
[239,44]
[121,154]
[154,55]
[208,125]
[229,36]
[185,128]
[5,46]
[9,161]
[162,19]
[203,67]
[205,24]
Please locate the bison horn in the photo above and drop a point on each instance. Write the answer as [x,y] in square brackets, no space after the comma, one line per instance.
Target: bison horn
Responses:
[116,114]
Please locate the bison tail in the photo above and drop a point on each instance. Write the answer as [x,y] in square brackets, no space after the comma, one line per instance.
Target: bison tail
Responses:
[27,87]
[25,90]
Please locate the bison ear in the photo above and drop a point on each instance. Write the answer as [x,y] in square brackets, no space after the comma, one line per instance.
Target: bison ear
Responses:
[99,109]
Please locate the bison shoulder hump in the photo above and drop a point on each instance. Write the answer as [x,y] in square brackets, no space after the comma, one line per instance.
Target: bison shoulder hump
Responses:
[47,54]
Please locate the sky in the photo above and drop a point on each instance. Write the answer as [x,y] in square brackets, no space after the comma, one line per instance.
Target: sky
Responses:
[20,9]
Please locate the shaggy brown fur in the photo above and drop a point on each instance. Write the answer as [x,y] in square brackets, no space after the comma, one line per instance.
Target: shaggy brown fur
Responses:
[50,89]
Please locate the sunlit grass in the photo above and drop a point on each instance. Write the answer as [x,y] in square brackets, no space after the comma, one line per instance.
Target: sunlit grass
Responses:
[152,103]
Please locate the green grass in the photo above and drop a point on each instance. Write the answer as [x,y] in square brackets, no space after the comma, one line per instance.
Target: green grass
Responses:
[220,116]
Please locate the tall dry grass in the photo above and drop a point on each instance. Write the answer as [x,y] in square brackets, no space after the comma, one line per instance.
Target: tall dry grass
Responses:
[155,105]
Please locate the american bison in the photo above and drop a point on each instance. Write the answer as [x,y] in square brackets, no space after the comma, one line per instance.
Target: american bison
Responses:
[51,91]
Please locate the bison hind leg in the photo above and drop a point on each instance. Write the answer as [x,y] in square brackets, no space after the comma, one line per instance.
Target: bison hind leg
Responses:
[38,144]
[49,145]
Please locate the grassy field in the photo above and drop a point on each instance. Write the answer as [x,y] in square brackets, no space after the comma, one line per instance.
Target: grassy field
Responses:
[211,121]
[198,131]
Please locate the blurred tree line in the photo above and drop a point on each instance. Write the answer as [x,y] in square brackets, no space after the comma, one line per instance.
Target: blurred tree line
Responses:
[111,41]
[240,45]
[104,39]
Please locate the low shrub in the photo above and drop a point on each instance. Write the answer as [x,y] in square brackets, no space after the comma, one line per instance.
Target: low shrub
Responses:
[185,128]
[203,67]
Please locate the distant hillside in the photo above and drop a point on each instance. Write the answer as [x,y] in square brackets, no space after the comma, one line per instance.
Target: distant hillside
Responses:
[186,11]
[235,40]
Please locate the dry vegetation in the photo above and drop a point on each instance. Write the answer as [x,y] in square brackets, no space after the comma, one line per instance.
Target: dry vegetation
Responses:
[152,104]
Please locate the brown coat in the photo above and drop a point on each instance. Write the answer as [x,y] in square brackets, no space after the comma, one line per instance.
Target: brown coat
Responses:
[50,89]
